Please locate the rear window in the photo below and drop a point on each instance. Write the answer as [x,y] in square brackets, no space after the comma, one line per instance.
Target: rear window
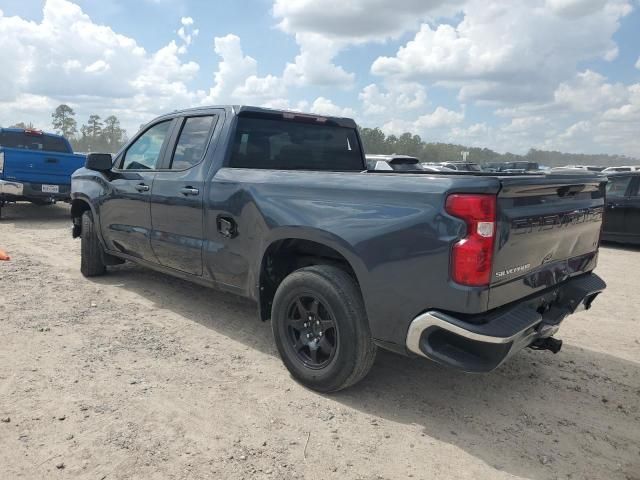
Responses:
[30,141]
[294,145]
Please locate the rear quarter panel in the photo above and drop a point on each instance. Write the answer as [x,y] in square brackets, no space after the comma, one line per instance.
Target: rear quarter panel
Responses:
[391,228]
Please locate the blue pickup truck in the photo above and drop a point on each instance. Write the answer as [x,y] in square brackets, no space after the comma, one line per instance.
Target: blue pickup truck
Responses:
[35,166]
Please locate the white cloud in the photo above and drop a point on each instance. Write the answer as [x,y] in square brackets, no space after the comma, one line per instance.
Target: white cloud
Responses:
[398,97]
[323,28]
[324,106]
[575,8]
[523,125]
[66,57]
[441,117]
[589,92]
[587,113]
[186,32]
[314,64]
[98,67]
[434,125]
[638,64]
[237,80]
[357,21]
[503,51]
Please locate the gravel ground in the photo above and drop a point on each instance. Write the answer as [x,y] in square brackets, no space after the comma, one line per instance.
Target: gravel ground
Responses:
[140,375]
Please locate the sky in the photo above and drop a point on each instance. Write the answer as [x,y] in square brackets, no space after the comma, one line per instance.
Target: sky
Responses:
[547,74]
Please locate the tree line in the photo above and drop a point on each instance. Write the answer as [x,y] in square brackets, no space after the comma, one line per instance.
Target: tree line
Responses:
[375,141]
[98,135]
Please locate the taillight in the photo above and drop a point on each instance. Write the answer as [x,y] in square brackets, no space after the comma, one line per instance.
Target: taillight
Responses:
[471,257]
[1,162]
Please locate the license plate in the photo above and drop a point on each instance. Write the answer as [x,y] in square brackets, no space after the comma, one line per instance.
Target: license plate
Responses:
[50,188]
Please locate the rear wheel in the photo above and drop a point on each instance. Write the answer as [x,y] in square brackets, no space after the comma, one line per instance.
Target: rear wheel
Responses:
[321,330]
[91,254]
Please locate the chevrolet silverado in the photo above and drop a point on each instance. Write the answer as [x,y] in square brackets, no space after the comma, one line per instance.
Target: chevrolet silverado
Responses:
[463,268]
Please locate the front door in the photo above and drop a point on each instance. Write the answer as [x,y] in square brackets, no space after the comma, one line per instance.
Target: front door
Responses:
[125,217]
[177,196]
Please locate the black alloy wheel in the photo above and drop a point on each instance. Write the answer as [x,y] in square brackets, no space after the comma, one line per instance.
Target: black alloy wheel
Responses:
[312,331]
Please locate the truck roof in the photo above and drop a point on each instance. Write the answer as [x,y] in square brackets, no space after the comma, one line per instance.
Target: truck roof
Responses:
[267,112]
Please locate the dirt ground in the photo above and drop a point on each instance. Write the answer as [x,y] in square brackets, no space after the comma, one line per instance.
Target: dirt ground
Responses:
[139,375]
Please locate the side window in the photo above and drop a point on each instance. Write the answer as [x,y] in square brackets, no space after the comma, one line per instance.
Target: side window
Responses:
[635,190]
[617,186]
[192,143]
[144,153]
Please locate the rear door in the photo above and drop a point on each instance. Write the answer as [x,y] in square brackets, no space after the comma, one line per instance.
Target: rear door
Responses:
[548,231]
[618,190]
[125,216]
[178,192]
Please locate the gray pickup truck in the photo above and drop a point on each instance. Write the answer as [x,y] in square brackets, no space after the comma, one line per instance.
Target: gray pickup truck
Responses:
[464,269]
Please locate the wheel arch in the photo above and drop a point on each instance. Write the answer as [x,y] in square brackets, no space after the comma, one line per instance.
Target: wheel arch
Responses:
[288,253]
[78,207]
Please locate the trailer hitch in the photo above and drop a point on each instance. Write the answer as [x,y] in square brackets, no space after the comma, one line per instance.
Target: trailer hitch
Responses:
[552,344]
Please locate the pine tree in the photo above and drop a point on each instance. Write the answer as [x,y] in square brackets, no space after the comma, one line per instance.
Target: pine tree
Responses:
[63,121]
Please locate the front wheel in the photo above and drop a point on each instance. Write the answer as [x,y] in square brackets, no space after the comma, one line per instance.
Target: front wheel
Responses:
[321,330]
[91,254]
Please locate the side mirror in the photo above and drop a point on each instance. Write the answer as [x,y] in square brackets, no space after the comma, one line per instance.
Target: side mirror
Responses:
[100,162]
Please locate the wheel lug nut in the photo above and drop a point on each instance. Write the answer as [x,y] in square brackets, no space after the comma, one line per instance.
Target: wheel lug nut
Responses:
[317,322]
[320,334]
[308,335]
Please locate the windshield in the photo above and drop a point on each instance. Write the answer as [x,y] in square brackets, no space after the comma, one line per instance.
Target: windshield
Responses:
[30,141]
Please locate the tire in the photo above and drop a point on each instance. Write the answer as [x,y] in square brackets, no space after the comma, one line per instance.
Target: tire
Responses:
[349,341]
[91,254]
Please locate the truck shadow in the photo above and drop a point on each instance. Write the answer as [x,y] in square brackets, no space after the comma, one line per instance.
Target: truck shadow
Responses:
[540,416]
[23,214]
[621,246]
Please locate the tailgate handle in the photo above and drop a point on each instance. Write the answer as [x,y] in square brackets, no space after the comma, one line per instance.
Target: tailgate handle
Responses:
[51,160]
[570,190]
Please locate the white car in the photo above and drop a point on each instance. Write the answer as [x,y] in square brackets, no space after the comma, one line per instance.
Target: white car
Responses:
[630,168]
[393,162]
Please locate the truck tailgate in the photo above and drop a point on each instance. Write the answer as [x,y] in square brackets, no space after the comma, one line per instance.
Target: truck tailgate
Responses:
[30,166]
[548,231]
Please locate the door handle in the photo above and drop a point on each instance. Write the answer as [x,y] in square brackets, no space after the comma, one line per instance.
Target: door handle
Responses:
[141,187]
[227,227]
[189,191]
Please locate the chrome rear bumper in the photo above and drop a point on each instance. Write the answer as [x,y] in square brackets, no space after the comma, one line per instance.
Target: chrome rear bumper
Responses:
[482,343]
[11,188]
